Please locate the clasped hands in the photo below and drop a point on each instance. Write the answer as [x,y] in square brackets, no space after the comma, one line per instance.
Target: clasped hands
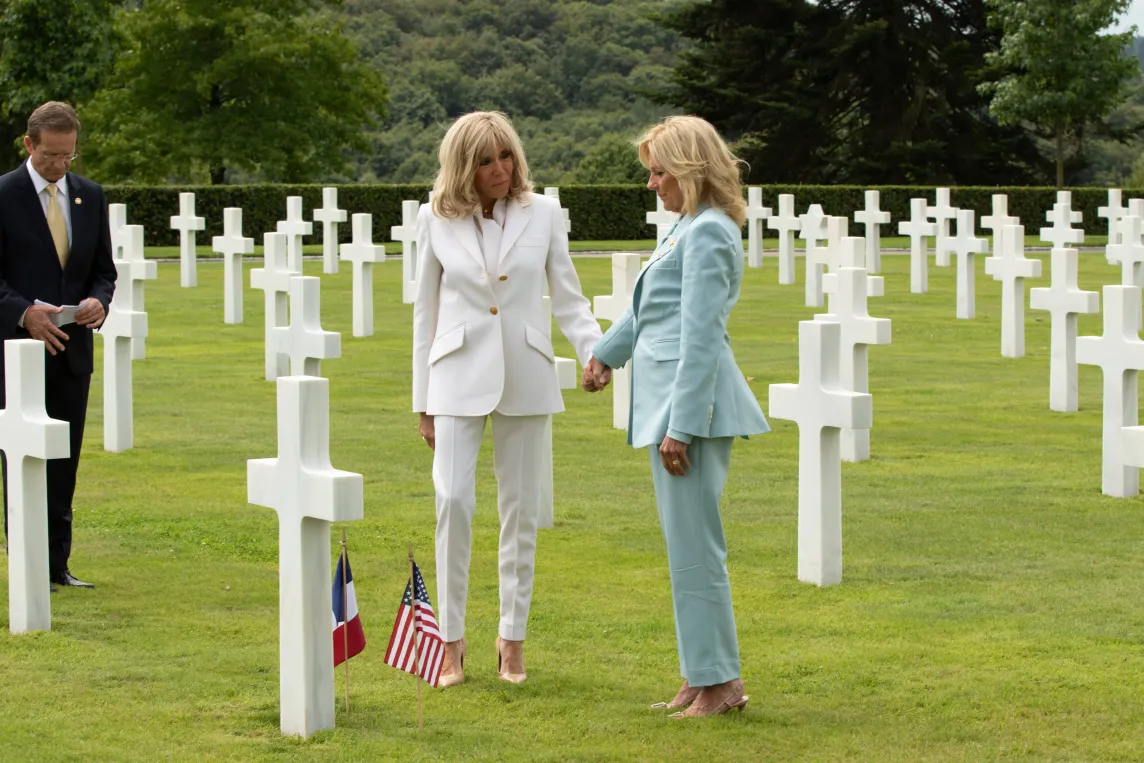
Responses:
[38,322]
[596,376]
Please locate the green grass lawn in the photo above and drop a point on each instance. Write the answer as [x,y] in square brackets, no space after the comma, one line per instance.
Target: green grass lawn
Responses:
[647,245]
[990,607]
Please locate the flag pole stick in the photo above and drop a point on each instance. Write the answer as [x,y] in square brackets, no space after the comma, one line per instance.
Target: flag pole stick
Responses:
[346,615]
[416,651]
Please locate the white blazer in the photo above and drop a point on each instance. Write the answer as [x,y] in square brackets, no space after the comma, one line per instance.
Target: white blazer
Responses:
[482,343]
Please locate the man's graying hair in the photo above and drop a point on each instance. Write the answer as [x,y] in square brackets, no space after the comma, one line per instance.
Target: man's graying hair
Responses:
[53,116]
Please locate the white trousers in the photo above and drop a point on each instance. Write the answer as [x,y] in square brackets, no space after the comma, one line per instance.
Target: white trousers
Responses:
[518,460]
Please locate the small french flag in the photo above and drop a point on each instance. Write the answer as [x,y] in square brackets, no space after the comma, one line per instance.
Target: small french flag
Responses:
[349,638]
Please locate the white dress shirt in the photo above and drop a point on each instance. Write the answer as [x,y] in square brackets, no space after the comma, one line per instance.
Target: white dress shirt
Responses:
[490,232]
[45,197]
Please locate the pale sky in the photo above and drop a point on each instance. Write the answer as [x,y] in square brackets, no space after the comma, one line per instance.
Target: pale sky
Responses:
[1135,16]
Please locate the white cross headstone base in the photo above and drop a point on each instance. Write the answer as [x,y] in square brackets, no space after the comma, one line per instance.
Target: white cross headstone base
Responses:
[273,278]
[123,323]
[187,224]
[329,216]
[132,269]
[363,254]
[296,227]
[625,272]
[308,494]
[232,245]
[821,408]
[28,438]
[1120,355]
[757,216]
[918,228]
[1064,300]
[787,223]
[1011,267]
[303,341]
[406,233]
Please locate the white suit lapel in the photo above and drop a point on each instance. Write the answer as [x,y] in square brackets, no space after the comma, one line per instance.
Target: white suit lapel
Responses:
[465,229]
[516,219]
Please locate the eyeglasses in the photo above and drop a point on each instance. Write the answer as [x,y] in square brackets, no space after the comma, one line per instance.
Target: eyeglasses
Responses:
[59,157]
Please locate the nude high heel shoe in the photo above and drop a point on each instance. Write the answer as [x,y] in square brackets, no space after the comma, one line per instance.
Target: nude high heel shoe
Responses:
[510,661]
[453,664]
[684,697]
[716,700]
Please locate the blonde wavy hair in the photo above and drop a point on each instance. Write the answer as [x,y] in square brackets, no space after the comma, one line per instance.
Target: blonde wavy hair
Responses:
[692,151]
[472,137]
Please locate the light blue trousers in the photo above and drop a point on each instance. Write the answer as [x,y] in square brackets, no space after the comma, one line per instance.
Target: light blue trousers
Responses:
[697,556]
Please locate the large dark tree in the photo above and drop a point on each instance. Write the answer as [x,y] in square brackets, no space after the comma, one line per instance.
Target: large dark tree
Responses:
[857,91]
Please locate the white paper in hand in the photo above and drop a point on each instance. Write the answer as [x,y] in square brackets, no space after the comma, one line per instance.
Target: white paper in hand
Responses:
[63,318]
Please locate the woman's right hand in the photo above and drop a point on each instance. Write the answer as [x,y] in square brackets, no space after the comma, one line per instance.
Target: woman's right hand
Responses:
[425,429]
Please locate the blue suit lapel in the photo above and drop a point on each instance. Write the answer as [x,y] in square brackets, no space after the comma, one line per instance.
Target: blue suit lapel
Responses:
[81,209]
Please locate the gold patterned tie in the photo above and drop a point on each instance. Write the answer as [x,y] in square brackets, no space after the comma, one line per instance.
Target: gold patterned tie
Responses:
[57,226]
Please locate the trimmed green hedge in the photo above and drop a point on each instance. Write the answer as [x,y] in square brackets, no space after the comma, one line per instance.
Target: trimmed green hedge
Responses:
[599,212]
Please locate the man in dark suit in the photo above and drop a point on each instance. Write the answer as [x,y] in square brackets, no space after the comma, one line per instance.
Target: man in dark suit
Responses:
[55,246]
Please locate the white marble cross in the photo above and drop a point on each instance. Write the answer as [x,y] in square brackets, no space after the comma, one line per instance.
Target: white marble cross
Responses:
[406,233]
[918,228]
[821,408]
[123,323]
[28,438]
[849,286]
[132,269]
[943,213]
[757,216]
[1064,301]
[661,219]
[329,216]
[1112,213]
[996,222]
[566,378]
[308,494]
[303,340]
[1061,233]
[846,256]
[1120,355]
[1129,253]
[837,231]
[553,192]
[232,245]
[787,223]
[1011,267]
[812,230]
[296,227]
[363,253]
[966,244]
[625,271]
[187,223]
[117,219]
[273,278]
[873,218]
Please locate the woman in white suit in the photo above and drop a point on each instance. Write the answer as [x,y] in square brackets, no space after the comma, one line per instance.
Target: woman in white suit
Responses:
[481,350]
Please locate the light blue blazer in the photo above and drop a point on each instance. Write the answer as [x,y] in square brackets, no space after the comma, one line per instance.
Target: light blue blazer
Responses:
[684,380]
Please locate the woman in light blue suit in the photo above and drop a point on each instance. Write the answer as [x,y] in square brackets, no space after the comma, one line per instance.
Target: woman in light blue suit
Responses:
[689,399]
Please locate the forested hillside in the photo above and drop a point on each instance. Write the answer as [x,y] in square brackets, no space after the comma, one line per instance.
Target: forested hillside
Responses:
[569,72]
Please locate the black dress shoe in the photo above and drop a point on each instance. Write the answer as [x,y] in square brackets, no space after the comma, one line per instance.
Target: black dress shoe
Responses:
[68,579]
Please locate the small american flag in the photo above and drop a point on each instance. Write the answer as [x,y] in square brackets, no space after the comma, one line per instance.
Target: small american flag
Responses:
[430,648]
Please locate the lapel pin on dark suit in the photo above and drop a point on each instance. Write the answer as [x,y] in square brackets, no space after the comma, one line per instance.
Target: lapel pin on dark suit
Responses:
[78,200]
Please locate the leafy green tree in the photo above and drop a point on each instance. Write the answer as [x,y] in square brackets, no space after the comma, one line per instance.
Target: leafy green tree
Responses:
[269,87]
[858,91]
[1062,73]
[613,159]
[59,51]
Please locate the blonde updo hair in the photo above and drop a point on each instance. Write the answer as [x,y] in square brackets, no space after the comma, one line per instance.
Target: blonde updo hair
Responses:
[692,151]
[469,139]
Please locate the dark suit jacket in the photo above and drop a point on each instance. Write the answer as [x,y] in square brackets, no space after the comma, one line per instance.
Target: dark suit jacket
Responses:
[30,268]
